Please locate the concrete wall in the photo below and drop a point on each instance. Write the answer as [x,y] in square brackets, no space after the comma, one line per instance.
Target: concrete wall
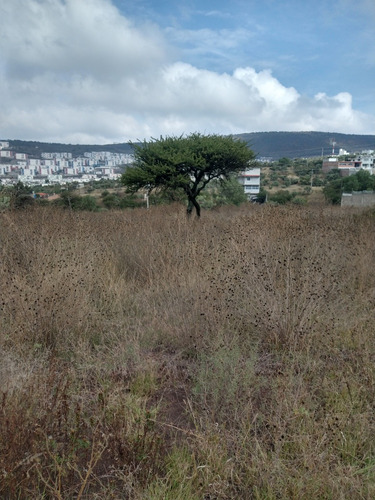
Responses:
[358,199]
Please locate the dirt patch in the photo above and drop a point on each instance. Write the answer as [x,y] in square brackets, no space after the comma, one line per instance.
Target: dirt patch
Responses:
[172,398]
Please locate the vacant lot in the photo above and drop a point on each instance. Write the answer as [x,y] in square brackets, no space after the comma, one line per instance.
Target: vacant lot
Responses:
[147,356]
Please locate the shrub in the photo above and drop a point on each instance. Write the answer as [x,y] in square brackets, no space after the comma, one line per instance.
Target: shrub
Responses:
[87,203]
[111,200]
[298,200]
[129,201]
[281,197]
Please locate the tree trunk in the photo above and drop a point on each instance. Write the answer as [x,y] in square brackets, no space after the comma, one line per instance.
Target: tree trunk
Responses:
[197,208]
[189,208]
[193,203]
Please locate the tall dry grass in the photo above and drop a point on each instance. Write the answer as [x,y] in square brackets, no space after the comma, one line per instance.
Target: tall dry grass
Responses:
[148,356]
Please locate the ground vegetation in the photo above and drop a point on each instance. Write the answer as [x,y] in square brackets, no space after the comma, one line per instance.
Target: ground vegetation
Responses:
[149,356]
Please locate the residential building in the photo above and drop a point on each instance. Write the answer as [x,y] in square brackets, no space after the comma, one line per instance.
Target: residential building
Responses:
[250,180]
[365,160]
[5,169]
[21,156]
[6,153]
[368,162]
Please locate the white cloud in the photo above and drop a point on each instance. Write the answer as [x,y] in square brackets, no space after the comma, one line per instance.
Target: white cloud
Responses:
[78,71]
[84,36]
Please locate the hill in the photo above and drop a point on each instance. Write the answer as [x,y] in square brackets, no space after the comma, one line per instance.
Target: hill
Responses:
[265,144]
[305,144]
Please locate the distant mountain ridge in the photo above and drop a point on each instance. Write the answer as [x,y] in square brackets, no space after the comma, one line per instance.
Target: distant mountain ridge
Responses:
[265,144]
[305,144]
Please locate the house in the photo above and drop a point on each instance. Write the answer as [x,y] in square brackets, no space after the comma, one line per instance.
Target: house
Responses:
[250,180]
[364,160]
[368,162]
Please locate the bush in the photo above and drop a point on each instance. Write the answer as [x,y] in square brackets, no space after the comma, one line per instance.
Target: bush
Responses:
[231,192]
[87,203]
[111,201]
[16,197]
[72,201]
[298,200]
[129,201]
[280,197]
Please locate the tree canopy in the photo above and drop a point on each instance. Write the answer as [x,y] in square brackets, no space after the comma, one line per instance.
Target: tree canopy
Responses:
[186,163]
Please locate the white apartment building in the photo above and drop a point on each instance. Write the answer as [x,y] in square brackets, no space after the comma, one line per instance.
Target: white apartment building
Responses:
[250,180]
[34,163]
[28,172]
[368,162]
[21,156]
[50,156]
[57,166]
[55,179]
[5,169]
[47,170]
[51,163]
[6,153]
[26,178]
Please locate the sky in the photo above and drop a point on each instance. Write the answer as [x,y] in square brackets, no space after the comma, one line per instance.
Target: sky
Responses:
[109,71]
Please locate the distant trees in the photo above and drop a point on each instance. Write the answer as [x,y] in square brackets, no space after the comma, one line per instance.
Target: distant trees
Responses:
[186,163]
[16,196]
[286,172]
[73,201]
[361,181]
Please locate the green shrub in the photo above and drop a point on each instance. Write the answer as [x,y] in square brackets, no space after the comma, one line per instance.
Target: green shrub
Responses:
[87,203]
[281,197]
[298,200]
[111,200]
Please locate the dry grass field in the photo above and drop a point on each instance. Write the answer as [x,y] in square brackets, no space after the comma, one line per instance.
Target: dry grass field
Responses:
[148,356]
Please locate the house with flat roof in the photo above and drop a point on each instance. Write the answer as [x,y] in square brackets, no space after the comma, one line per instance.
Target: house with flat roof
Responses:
[250,180]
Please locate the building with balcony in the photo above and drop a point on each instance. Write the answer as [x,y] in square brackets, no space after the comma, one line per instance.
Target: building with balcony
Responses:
[250,180]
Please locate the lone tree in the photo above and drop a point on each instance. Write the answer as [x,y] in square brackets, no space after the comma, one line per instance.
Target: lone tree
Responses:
[187,163]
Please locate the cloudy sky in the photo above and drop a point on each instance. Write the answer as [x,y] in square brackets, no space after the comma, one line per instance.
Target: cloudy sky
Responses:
[102,71]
